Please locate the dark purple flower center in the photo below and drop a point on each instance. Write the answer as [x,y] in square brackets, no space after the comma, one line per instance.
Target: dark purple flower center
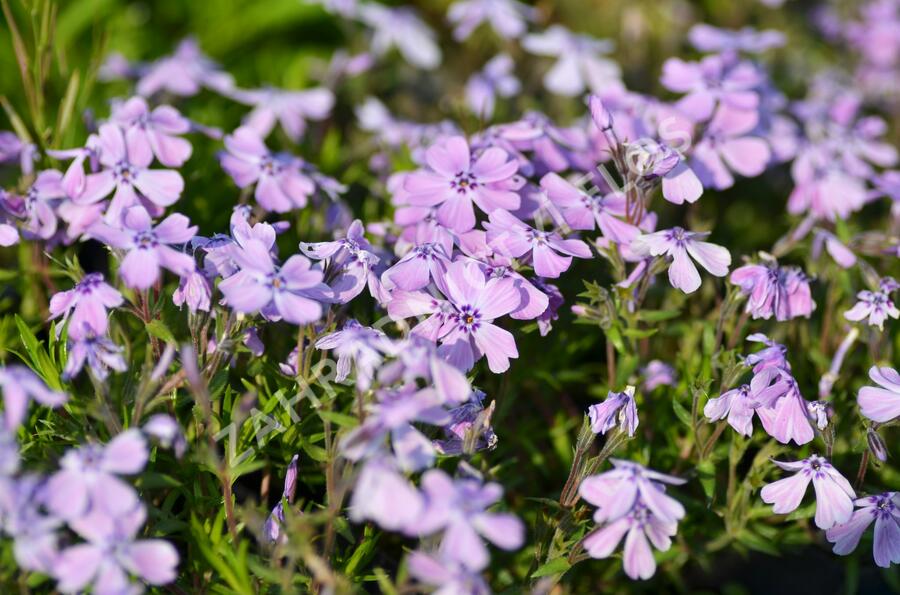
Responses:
[463,182]
[469,318]
[124,172]
[145,240]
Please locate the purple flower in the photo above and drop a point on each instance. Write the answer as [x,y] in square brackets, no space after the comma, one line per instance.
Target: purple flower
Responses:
[658,373]
[678,244]
[637,526]
[166,430]
[712,83]
[551,255]
[454,181]
[383,495]
[834,496]
[725,147]
[584,211]
[774,355]
[495,79]
[884,509]
[424,263]
[275,522]
[280,184]
[469,418]
[403,29]
[194,290]
[40,203]
[362,346]
[157,130]
[291,109]
[87,481]
[739,404]
[508,18]
[349,264]
[451,576]
[458,507]
[580,63]
[126,157]
[707,38]
[618,491]
[842,255]
[823,189]
[291,291]
[98,351]
[619,409]
[655,160]
[85,305]
[786,417]
[18,384]
[147,246]
[111,553]
[873,306]
[34,533]
[770,289]
[183,73]
[464,324]
[392,415]
[881,403]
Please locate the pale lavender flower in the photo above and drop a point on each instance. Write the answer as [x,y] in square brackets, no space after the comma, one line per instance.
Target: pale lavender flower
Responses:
[392,415]
[842,255]
[638,526]
[458,507]
[584,211]
[655,161]
[383,495]
[292,291]
[401,28]
[18,385]
[148,247]
[881,403]
[126,158]
[194,290]
[35,541]
[452,577]
[184,73]
[712,83]
[280,184]
[111,553]
[455,180]
[551,255]
[725,147]
[361,346]
[555,301]
[773,355]
[349,264]
[618,491]
[495,79]
[291,109]
[786,417]
[619,409]
[508,18]
[834,495]
[463,420]
[156,129]
[275,523]
[40,203]
[85,305]
[771,289]
[580,63]
[707,38]
[739,404]
[823,189]
[658,373]
[165,429]
[874,307]
[884,510]
[679,243]
[12,148]
[820,412]
[97,351]
[87,481]
[424,263]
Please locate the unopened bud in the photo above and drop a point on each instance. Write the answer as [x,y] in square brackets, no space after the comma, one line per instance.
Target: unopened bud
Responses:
[876,445]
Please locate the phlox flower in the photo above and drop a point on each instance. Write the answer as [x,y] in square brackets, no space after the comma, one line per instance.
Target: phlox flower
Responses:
[884,510]
[823,189]
[85,305]
[739,404]
[183,73]
[194,290]
[111,552]
[773,355]
[874,307]
[291,109]
[449,575]
[771,289]
[360,346]
[495,79]
[508,18]
[834,495]
[40,203]
[841,254]
[785,417]
[166,430]
[148,247]
[156,129]
[710,83]
[87,480]
[550,254]
[349,264]
[401,28]
[424,263]
[463,420]
[584,211]
[126,158]
[658,373]
[280,184]
[292,291]
[619,409]
[458,507]
[18,385]
[881,403]
[35,541]
[679,243]
[618,491]
[707,38]
[275,521]
[655,161]
[454,181]
[97,351]
[580,63]
[383,495]
[725,147]
[554,148]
